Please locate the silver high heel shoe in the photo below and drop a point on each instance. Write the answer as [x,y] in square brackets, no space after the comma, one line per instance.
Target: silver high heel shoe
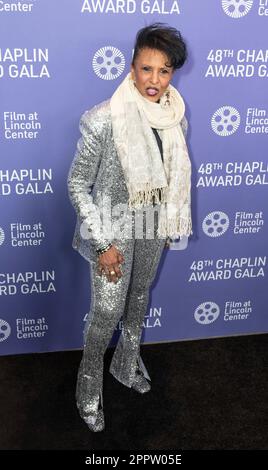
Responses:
[95,421]
[140,383]
[92,411]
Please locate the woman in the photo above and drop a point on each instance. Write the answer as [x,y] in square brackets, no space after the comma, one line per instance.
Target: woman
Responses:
[132,159]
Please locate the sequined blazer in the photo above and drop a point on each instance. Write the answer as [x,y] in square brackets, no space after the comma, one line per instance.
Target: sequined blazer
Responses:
[96,171]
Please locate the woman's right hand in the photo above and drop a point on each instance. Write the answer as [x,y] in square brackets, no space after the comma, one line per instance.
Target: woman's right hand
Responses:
[109,261]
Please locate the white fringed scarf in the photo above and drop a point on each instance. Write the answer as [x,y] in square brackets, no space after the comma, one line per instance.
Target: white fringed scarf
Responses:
[148,179]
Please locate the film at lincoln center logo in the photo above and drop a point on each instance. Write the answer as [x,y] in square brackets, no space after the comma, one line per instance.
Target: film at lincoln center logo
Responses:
[237,8]
[5,330]
[207,312]
[225,121]
[108,63]
[2,236]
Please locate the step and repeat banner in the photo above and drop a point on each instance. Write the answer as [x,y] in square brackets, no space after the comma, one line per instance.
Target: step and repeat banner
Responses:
[60,58]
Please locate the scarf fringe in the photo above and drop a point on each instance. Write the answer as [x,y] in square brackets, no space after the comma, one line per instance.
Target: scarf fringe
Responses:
[148,196]
[175,228]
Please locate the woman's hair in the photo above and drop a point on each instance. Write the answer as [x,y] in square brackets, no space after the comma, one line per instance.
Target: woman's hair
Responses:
[164,38]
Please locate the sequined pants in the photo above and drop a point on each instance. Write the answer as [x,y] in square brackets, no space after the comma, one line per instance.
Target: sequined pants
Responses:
[128,298]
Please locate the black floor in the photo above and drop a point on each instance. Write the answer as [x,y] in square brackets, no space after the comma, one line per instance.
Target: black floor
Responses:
[208,394]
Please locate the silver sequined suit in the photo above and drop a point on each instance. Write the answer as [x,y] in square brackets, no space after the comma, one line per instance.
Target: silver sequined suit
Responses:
[95,174]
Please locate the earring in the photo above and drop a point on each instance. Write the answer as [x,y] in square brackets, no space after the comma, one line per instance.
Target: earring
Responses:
[167,102]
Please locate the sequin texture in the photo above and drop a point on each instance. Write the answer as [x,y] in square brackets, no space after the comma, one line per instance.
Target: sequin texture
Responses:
[96,174]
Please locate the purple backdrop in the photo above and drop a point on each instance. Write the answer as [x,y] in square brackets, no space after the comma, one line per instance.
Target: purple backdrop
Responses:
[58,59]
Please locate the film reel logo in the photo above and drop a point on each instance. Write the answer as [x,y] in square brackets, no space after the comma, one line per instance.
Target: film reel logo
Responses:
[5,330]
[237,8]
[2,236]
[215,224]
[108,63]
[207,313]
[225,121]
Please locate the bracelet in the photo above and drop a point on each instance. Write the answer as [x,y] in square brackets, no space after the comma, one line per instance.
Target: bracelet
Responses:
[102,250]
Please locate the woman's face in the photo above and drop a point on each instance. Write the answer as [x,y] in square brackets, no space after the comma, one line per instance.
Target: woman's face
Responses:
[150,73]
